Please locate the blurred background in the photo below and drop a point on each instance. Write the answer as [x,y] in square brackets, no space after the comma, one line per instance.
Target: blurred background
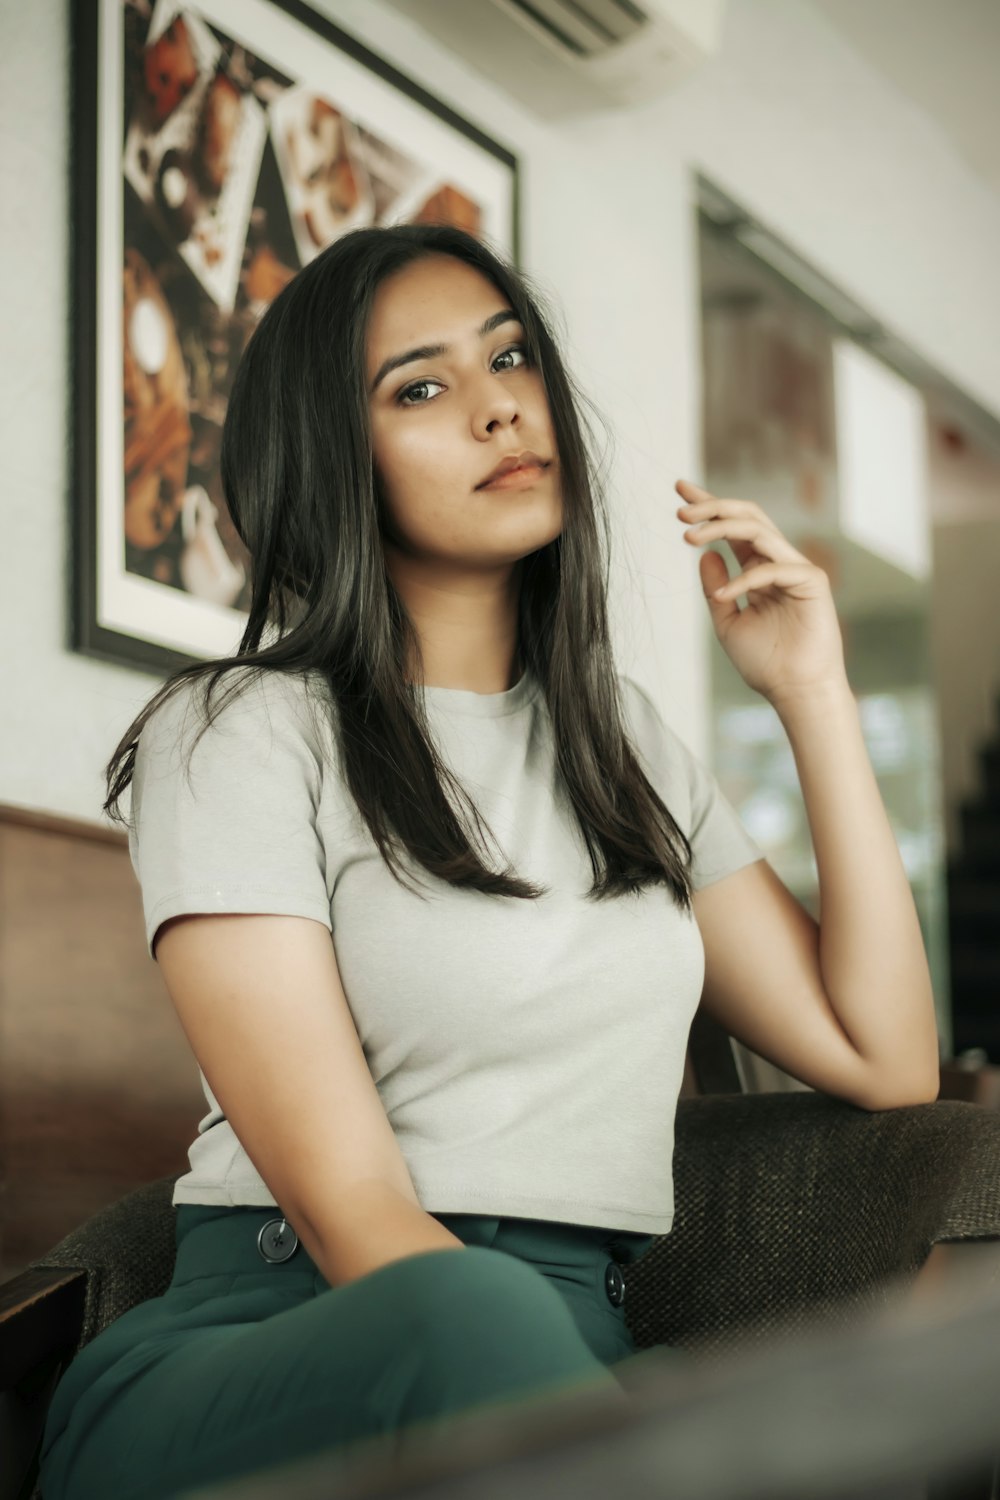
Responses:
[771,243]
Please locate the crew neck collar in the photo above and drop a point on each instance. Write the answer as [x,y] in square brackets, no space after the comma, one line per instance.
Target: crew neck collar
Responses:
[482,705]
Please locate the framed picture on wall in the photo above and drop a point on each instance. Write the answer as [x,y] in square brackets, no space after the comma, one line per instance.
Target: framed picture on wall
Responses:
[219,146]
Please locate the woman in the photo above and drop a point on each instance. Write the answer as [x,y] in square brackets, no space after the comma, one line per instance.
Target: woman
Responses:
[404,460]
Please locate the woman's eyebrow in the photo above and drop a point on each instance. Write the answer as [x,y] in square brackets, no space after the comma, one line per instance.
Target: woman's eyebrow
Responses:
[431,351]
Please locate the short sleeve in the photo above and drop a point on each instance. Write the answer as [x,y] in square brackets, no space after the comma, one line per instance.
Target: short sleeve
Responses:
[720,844]
[229,824]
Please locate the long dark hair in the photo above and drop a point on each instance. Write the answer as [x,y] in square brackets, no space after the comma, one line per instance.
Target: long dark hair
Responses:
[299,481]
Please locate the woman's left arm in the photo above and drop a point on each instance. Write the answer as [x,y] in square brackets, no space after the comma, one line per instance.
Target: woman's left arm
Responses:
[846,1004]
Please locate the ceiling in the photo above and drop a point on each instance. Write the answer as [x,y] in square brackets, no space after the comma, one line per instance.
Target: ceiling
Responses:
[944,55]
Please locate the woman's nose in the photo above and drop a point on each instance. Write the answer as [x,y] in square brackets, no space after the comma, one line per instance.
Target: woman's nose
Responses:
[495,405]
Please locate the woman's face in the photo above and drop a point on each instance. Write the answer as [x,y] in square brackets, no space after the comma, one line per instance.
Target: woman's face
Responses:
[441,423]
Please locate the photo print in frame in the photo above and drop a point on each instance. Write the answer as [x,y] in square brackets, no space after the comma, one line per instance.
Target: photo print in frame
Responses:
[218,147]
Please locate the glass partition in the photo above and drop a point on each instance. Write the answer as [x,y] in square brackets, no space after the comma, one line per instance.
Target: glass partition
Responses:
[770,425]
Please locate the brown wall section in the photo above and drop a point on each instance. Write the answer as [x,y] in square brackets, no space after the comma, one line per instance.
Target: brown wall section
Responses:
[99,1088]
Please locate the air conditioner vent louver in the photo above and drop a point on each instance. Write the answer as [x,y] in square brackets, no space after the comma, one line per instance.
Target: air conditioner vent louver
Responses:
[573,57]
[585,27]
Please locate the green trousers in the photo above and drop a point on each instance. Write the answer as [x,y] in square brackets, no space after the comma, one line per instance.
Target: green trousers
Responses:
[252,1359]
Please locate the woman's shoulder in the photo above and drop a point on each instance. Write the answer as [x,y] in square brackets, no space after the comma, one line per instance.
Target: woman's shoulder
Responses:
[642,712]
[667,754]
[242,702]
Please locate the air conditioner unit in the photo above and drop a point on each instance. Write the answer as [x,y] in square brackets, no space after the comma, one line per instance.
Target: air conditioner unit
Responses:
[561,57]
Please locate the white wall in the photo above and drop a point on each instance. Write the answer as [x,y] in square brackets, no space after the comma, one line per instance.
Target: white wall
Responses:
[786,119]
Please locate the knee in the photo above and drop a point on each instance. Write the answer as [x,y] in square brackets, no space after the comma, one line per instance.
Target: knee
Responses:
[495,1306]
[476,1328]
[453,1287]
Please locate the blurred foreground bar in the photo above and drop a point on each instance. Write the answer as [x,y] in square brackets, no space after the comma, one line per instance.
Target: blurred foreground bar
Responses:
[900,1405]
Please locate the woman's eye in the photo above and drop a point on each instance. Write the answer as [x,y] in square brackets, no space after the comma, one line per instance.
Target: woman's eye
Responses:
[514,349]
[419,384]
[408,390]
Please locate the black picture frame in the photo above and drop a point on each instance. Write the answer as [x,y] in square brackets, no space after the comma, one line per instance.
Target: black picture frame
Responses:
[159,324]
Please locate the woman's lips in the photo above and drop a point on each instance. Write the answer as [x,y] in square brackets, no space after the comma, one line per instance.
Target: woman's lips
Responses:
[516,479]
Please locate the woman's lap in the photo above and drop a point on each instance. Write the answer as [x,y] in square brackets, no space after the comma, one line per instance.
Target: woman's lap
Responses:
[229,1373]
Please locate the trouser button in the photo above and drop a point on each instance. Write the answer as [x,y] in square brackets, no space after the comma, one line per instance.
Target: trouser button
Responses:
[277,1240]
[614,1283]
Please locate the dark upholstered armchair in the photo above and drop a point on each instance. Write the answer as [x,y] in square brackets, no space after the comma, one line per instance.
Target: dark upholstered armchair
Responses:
[787,1203]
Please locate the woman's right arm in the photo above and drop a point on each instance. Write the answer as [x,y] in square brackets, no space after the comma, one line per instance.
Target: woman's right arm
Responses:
[262,1005]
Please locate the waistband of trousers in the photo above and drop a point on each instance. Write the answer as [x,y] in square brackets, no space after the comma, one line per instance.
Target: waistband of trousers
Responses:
[218,1240]
[214,1241]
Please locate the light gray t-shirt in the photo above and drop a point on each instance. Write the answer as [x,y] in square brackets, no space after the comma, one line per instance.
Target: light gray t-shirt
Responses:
[528,1053]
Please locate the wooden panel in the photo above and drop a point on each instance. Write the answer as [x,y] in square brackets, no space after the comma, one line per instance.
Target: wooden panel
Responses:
[99,1089]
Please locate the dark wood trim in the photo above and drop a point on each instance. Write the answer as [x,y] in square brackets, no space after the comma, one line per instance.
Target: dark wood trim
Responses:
[41,1314]
[73,828]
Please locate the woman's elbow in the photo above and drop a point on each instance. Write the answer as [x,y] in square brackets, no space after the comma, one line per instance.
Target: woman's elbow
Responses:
[899,1093]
